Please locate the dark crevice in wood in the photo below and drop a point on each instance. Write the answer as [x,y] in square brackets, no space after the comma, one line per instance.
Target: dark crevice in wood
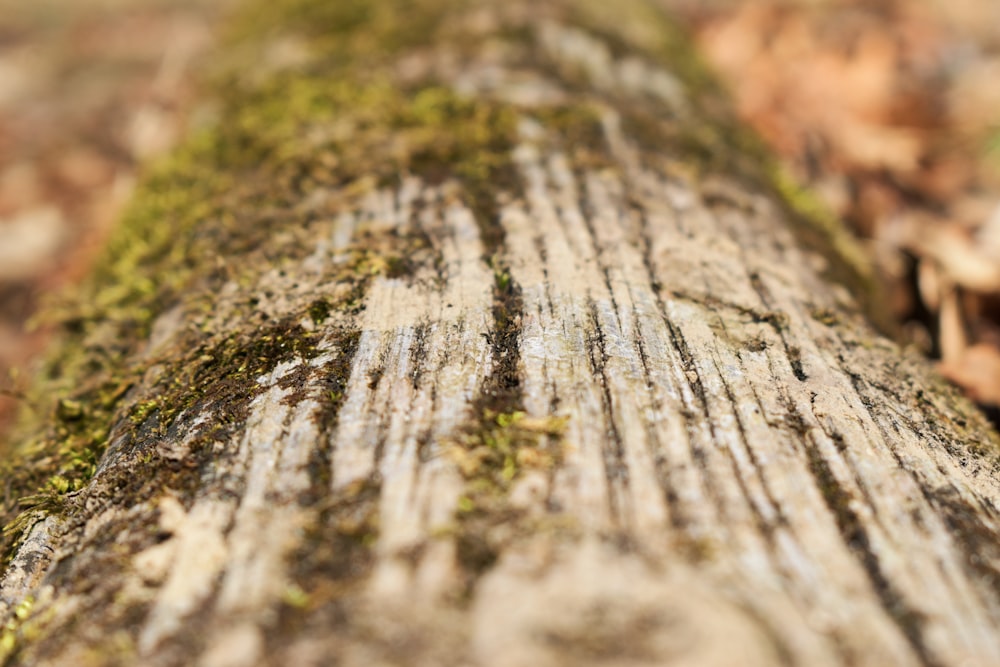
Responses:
[839,501]
[839,645]
[765,526]
[332,388]
[886,440]
[655,447]
[779,322]
[478,542]
[615,470]
[689,367]
[677,519]
[418,354]
[502,388]
[640,346]
[332,562]
[694,414]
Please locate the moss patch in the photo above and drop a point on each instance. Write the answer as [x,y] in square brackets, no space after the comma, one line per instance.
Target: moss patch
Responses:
[14,628]
[236,192]
[491,455]
[344,34]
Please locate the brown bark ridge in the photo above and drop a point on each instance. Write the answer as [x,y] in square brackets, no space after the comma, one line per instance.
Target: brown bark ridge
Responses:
[473,335]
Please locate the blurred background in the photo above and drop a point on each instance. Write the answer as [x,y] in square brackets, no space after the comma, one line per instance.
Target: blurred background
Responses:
[89,89]
[889,109]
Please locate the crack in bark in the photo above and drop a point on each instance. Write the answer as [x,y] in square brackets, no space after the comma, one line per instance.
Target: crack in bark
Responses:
[839,501]
[973,535]
[691,415]
[615,469]
[766,527]
[779,322]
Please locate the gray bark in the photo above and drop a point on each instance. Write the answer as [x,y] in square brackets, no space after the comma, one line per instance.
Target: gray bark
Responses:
[582,397]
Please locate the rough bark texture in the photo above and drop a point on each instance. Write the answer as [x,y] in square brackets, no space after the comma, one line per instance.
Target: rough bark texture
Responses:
[472,335]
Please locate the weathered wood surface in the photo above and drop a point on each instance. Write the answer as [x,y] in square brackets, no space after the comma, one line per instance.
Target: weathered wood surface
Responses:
[589,406]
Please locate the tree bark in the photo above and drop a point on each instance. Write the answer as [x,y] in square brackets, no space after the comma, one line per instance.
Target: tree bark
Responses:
[477,334]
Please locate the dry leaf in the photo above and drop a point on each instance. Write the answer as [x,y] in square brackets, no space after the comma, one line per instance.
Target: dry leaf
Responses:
[977,371]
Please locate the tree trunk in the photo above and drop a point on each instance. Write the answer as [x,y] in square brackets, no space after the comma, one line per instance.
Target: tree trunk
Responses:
[475,334]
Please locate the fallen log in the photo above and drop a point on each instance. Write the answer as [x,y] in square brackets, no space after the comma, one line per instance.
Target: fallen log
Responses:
[478,334]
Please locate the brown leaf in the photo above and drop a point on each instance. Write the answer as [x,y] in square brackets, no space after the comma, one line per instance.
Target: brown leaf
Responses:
[977,371]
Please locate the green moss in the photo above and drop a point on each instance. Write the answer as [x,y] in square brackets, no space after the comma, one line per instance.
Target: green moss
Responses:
[363,35]
[142,410]
[348,32]
[234,187]
[821,230]
[504,444]
[491,454]
[825,316]
[13,629]
[69,410]
[319,311]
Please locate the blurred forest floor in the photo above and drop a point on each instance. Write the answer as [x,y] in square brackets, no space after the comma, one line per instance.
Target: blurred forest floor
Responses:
[889,109]
[89,90]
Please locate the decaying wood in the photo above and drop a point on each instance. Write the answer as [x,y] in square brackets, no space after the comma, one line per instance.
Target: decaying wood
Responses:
[616,414]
